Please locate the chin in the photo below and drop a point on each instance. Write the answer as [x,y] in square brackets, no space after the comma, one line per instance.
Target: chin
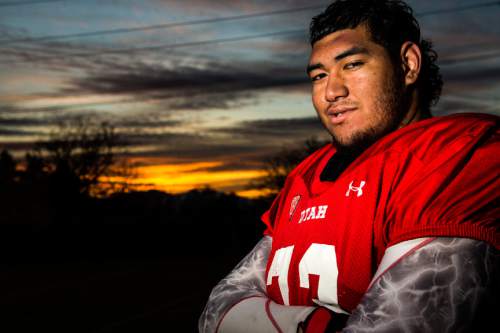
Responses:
[356,142]
[347,136]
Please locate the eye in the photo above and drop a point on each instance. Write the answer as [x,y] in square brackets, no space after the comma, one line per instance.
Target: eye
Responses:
[353,65]
[317,77]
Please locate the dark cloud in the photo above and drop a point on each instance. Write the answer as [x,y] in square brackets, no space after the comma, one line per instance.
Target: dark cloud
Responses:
[189,87]
[40,117]
[205,150]
[141,123]
[55,113]
[16,132]
[283,130]
[282,126]
[450,105]
[466,89]
[476,74]
[198,7]
[163,138]
[21,122]
[210,100]
[244,146]
[51,55]
[16,127]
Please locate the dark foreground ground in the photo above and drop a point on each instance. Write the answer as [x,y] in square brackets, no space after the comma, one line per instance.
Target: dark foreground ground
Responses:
[81,280]
[139,262]
[155,295]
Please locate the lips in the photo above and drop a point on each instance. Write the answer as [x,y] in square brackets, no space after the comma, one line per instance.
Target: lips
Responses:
[339,114]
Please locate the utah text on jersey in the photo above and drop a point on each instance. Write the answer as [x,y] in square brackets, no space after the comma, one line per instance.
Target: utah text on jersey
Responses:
[313,213]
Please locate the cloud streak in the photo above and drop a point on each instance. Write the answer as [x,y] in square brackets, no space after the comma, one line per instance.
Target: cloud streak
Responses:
[191,87]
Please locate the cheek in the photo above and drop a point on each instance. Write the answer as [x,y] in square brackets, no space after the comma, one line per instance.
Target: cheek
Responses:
[317,97]
[364,87]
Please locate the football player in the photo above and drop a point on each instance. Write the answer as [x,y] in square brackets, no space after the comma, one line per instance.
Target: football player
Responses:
[392,227]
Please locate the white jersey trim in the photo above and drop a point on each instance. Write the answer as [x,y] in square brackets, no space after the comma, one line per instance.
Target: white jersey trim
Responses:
[395,253]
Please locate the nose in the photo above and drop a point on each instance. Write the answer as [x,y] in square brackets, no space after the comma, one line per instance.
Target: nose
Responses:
[335,89]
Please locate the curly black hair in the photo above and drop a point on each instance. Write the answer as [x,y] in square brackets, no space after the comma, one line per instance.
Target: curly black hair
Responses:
[390,23]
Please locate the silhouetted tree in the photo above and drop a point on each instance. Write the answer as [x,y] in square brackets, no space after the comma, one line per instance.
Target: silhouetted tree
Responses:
[7,168]
[85,152]
[278,167]
[35,170]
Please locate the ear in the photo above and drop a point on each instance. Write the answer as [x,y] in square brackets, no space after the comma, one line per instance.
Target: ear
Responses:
[411,59]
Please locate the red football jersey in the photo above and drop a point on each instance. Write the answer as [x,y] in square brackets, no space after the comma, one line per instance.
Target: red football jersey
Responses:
[436,177]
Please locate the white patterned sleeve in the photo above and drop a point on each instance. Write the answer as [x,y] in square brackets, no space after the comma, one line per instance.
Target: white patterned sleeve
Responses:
[442,285]
[239,303]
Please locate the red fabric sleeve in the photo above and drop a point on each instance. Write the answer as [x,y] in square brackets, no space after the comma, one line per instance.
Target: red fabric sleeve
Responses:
[452,191]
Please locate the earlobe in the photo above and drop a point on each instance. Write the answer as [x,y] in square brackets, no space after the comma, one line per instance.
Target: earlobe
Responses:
[411,58]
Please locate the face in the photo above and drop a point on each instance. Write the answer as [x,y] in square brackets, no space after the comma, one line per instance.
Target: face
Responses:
[356,91]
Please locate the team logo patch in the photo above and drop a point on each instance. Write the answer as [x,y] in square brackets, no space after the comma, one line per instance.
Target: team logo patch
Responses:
[293,205]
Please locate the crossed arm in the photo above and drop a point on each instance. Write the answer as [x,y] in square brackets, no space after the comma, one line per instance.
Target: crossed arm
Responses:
[245,280]
[239,302]
[447,285]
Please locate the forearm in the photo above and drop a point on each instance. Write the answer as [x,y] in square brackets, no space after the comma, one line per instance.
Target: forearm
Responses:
[262,315]
[449,285]
[239,302]
[245,280]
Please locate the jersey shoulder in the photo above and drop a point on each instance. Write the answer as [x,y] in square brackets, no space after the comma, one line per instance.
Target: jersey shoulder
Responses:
[445,179]
[430,138]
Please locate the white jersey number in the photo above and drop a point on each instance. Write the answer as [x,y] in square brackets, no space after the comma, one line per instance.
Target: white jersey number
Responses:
[319,259]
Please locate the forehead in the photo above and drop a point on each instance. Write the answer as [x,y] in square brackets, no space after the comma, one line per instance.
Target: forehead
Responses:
[341,40]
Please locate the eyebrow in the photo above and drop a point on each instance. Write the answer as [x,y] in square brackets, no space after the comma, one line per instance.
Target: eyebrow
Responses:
[352,51]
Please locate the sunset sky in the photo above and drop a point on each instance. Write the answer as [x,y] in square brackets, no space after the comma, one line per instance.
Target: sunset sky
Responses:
[203,90]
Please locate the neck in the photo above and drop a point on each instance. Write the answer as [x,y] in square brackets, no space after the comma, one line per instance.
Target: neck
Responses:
[414,113]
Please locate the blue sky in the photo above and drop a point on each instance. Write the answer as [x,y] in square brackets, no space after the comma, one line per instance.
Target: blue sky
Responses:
[221,94]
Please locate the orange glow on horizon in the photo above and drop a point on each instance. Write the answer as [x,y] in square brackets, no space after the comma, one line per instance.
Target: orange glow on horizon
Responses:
[178,178]
[251,194]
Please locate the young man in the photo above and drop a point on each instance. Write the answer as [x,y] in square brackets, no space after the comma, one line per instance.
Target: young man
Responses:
[394,226]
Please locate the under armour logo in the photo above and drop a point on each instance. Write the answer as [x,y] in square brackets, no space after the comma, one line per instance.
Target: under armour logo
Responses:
[358,189]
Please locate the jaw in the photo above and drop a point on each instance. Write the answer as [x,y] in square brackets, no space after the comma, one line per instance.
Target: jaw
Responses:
[359,132]
[343,128]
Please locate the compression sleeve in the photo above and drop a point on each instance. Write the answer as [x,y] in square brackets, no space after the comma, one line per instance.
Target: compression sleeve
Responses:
[260,314]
